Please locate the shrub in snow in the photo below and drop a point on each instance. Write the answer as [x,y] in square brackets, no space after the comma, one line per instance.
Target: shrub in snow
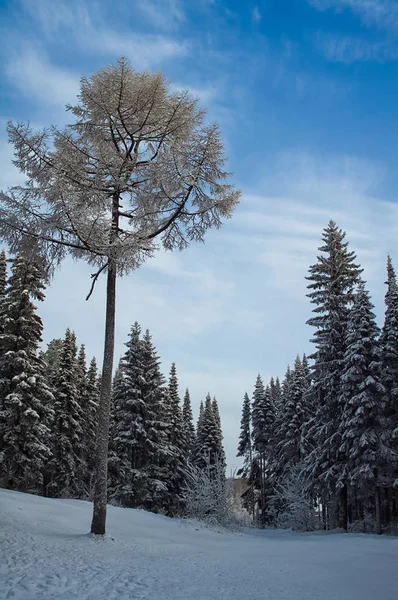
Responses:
[209,497]
[292,503]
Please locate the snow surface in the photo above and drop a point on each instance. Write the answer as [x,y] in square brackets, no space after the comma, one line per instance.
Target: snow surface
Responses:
[45,553]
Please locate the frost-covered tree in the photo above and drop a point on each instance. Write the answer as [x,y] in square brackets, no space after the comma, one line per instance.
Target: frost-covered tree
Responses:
[90,408]
[276,393]
[3,284]
[220,442]
[128,417]
[290,423]
[175,434]
[3,272]
[189,427]
[25,399]
[67,435]
[208,449]
[52,358]
[389,359]
[362,452]
[81,371]
[137,168]
[245,441]
[332,281]
[140,432]
[263,418]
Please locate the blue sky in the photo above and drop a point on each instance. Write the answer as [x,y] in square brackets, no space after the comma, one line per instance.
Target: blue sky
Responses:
[306,93]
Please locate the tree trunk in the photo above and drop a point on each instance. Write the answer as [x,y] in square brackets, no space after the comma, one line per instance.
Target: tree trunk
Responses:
[343,507]
[101,453]
[378,510]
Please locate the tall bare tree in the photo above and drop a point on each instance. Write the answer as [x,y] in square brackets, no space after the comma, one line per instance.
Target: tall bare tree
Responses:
[137,170]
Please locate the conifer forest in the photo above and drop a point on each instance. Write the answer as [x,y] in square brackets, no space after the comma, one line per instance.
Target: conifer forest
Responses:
[319,445]
[198,300]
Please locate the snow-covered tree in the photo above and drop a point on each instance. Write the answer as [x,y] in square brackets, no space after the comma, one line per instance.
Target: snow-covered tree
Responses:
[363,453]
[67,435]
[245,441]
[276,393]
[175,433]
[189,427]
[292,502]
[208,449]
[208,494]
[137,169]
[290,423]
[331,289]
[197,447]
[3,284]
[140,438]
[220,442]
[128,417]
[90,408]
[25,399]
[52,358]
[3,272]
[263,418]
[389,356]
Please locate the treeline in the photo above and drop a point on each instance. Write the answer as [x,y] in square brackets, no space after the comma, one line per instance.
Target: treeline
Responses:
[48,411]
[321,449]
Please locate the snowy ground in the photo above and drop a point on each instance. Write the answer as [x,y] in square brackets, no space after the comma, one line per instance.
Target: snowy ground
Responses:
[45,554]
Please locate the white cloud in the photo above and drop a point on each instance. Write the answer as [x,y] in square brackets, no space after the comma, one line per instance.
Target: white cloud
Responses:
[349,49]
[144,50]
[256,15]
[87,24]
[162,14]
[9,175]
[34,76]
[380,13]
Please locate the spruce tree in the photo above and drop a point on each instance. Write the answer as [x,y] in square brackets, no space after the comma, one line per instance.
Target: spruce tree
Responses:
[292,418]
[3,273]
[140,438]
[175,433]
[189,427]
[389,360]
[217,419]
[26,414]
[331,289]
[362,451]
[158,450]
[209,451]
[128,419]
[197,447]
[263,418]
[3,284]
[92,391]
[52,358]
[68,437]
[245,441]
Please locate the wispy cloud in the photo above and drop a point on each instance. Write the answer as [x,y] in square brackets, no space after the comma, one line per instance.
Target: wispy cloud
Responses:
[162,14]
[379,13]
[144,50]
[9,175]
[34,76]
[88,25]
[348,49]
[256,15]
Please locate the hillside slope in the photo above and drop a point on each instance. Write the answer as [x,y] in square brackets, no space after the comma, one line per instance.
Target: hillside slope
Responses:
[45,554]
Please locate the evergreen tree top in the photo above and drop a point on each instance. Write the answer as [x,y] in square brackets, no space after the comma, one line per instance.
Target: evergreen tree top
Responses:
[391,280]
[3,272]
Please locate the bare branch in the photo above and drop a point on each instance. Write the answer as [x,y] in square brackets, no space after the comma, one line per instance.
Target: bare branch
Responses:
[94,277]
